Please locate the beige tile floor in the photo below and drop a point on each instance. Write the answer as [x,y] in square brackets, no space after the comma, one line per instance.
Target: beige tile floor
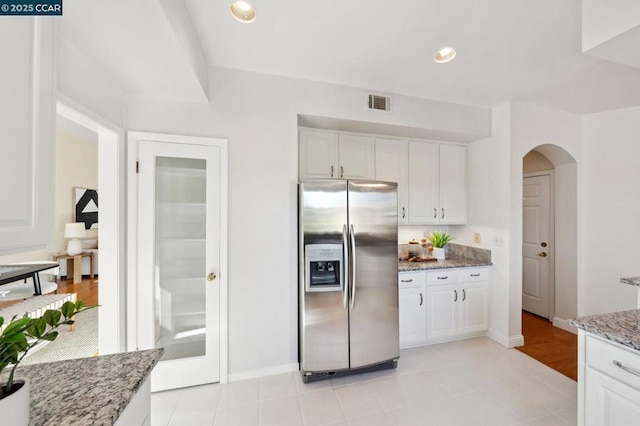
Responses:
[471,382]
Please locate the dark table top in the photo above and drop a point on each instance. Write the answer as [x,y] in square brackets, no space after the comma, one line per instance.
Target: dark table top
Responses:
[11,273]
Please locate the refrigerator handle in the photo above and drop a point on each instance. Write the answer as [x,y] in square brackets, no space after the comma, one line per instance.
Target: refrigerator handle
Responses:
[345,268]
[352,234]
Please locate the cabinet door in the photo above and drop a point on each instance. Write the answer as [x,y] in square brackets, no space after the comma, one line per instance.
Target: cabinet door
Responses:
[411,303]
[442,318]
[473,307]
[356,157]
[27,127]
[609,402]
[453,184]
[318,155]
[423,183]
[391,166]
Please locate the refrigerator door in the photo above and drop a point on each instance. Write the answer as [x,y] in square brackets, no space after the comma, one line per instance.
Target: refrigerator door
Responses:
[373,298]
[324,315]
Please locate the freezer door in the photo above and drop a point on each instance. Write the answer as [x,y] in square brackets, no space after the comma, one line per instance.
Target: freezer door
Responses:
[373,299]
[323,315]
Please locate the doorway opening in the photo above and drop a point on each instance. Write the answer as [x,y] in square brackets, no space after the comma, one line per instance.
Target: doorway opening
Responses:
[549,257]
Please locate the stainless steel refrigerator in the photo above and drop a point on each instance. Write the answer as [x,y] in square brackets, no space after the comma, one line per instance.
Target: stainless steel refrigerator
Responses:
[348,276]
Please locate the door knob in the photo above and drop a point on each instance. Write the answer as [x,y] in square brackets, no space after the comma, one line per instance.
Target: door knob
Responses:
[543,254]
[543,244]
[212,276]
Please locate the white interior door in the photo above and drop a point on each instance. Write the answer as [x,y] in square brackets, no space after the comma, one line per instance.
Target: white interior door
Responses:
[179,253]
[536,245]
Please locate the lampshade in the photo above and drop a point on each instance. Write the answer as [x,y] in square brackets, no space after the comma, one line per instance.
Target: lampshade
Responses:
[74,230]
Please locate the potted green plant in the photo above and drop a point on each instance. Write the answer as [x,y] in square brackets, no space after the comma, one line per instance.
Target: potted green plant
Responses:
[17,338]
[439,239]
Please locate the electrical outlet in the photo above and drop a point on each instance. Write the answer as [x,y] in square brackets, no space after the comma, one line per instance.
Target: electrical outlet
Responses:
[476,237]
[498,241]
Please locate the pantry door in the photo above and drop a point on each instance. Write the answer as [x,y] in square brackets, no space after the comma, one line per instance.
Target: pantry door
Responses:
[180,258]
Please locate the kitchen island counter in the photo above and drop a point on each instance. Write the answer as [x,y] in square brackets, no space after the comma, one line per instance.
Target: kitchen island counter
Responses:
[620,327]
[453,262]
[90,391]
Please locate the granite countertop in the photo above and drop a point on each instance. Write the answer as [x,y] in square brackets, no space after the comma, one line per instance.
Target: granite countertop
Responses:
[631,281]
[452,262]
[621,327]
[86,391]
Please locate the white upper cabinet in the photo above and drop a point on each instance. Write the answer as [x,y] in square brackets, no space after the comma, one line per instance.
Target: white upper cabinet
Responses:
[325,154]
[453,184]
[391,166]
[437,183]
[318,154]
[27,123]
[423,183]
[356,157]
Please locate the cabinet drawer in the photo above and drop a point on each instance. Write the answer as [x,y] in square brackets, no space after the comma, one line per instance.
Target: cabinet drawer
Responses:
[601,356]
[472,275]
[442,277]
[411,279]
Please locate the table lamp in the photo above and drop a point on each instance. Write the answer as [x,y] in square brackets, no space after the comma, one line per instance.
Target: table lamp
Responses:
[74,231]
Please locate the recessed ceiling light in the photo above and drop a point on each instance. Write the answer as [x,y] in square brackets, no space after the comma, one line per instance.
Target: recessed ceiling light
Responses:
[444,55]
[243,11]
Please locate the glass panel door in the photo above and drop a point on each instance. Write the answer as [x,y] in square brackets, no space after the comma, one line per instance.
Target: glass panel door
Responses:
[178,261]
[180,287]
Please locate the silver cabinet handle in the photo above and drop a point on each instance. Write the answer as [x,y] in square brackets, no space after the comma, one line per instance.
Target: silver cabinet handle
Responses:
[464,295]
[475,275]
[355,266]
[421,299]
[403,212]
[442,213]
[331,171]
[627,369]
[435,213]
[341,171]
[406,281]
[443,278]
[345,269]
[455,299]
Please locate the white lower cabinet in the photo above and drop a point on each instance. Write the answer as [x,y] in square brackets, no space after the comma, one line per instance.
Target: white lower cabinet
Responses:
[608,383]
[411,302]
[455,305]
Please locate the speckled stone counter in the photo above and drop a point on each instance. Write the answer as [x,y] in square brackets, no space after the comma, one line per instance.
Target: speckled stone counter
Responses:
[621,327]
[631,281]
[87,391]
[453,262]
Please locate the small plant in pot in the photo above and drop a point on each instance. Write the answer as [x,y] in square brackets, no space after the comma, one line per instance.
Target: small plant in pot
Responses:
[439,239]
[16,340]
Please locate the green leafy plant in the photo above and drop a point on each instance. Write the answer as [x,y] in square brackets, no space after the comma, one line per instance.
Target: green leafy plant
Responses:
[22,334]
[439,238]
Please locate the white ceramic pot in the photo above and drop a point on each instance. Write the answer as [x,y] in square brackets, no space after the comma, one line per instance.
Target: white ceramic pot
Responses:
[15,407]
[438,253]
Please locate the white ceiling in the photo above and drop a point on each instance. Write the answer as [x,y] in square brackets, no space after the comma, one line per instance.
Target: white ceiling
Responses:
[507,49]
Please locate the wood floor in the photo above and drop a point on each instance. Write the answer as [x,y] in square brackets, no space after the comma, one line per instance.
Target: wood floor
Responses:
[87,290]
[550,345]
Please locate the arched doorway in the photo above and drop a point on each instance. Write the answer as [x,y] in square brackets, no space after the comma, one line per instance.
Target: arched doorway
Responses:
[549,255]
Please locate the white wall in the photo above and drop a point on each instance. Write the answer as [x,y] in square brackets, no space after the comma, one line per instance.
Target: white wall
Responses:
[488,205]
[258,114]
[610,210]
[603,20]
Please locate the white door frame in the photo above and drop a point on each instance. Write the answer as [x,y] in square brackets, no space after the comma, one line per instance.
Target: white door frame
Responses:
[111,185]
[552,238]
[133,138]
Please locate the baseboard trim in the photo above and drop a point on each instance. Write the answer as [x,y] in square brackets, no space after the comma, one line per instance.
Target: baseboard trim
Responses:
[506,341]
[263,372]
[564,325]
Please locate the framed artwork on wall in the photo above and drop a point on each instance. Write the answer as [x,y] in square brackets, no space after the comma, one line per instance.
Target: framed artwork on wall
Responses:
[85,207]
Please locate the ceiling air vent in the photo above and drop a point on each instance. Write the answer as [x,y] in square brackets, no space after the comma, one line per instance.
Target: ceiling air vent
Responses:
[380,102]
